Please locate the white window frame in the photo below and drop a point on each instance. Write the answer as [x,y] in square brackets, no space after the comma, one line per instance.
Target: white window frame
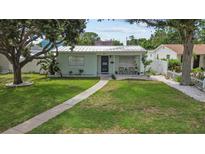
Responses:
[127,61]
[75,61]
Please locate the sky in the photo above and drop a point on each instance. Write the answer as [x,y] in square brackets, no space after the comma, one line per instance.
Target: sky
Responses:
[118,29]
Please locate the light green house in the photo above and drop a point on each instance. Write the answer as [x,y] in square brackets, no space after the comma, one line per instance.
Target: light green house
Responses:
[98,60]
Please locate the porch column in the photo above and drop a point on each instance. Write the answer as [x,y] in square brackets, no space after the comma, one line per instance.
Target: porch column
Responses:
[113,67]
[141,64]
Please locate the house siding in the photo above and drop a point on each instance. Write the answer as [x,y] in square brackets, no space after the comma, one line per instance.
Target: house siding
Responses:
[162,53]
[89,67]
[202,61]
[92,63]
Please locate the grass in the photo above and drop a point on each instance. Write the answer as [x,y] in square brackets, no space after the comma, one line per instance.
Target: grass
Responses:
[22,103]
[131,106]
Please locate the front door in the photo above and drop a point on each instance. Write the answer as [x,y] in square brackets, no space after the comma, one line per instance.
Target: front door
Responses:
[104,64]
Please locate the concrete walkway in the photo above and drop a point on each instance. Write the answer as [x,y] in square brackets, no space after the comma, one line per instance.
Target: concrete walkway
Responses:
[53,112]
[188,90]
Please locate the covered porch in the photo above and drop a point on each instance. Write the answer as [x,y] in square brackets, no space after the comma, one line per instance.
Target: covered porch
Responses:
[119,64]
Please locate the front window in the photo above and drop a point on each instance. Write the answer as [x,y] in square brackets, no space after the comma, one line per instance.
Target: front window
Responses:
[76,60]
[127,61]
[168,56]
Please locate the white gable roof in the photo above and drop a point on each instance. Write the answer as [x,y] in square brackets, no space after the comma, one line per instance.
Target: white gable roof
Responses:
[101,49]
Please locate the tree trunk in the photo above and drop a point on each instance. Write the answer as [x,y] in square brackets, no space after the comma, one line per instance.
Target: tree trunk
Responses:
[186,61]
[17,74]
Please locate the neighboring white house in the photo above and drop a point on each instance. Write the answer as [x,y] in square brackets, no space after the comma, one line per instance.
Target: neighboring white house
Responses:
[97,60]
[5,65]
[175,51]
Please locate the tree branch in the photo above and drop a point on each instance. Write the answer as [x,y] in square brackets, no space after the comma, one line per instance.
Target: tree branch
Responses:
[45,50]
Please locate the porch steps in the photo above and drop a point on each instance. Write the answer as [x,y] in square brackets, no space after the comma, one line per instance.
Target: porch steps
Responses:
[105,77]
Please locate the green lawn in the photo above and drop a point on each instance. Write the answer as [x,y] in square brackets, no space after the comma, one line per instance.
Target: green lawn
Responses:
[131,107]
[20,104]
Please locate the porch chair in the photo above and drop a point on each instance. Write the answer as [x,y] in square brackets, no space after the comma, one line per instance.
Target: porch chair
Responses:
[131,70]
[121,70]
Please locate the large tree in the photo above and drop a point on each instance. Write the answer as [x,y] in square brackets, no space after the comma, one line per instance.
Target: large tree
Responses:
[160,36]
[88,38]
[18,36]
[187,29]
[116,42]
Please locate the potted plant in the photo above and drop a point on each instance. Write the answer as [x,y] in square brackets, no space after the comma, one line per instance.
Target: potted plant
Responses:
[81,71]
[70,72]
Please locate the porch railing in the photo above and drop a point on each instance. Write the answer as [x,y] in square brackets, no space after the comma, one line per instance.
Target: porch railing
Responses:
[127,70]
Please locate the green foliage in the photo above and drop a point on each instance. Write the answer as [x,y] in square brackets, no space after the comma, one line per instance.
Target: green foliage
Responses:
[18,36]
[200,33]
[197,70]
[88,38]
[164,59]
[169,31]
[70,72]
[174,65]
[116,42]
[178,79]
[150,72]
[81,71]
[187,29]
[145,61]
[49,65]
[198,73]
[113,77]
[161,36]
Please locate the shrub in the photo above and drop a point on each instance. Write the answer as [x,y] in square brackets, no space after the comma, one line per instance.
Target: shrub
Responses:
[197,70]
[164,59]
[70,72]
[198,73]
[113,77]
[49,65]
[178,79]
[150,72]
[174,65]
[81,71]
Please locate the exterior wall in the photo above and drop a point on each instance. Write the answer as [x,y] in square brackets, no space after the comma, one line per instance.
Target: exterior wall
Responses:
[31,67]
[162,53]
[98,64]
[117,59]
[150,55]
[159,66]
[4,64]
[202,61]
[89,68]
[92,63]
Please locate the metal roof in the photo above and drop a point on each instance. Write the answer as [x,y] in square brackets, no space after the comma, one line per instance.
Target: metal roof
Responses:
[101,49]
